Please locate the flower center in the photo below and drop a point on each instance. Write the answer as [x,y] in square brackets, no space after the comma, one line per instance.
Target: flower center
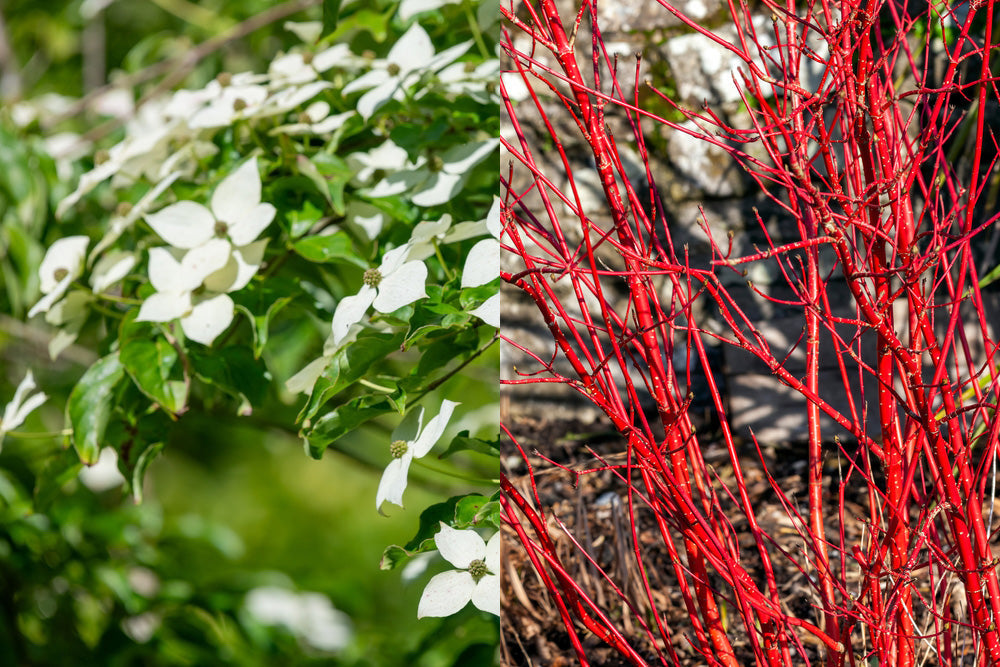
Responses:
[307,58]
[393,69]
[398,449]
[435,163]
[372,277]
[478,570]
[60,273]
[239,104]
[469,67]
[224,79]
[101,156]
[123,209]
[221,229]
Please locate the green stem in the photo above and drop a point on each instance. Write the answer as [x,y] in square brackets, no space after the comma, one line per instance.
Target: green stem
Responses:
[450,473]
[476,34]
[437,251]
[376,387]
[40,435]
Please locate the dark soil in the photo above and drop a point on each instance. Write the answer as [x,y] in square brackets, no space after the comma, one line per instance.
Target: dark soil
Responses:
[594,509]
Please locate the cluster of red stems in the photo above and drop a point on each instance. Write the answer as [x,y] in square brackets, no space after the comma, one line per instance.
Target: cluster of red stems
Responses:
[860,162]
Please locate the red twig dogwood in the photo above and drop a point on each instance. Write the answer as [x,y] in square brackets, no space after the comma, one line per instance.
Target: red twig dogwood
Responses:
[884,174]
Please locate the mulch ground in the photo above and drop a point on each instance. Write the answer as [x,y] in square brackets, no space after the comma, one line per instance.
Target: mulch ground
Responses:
[595,511]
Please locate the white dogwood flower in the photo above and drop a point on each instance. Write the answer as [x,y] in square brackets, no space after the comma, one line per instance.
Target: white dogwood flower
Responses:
[311,617]
[63,263]
[236,213]
[477,579]
[394,284]
[315,119]
[410,441]
[483,262]
[438,180]
[21,405]
[214,266]
[407,60]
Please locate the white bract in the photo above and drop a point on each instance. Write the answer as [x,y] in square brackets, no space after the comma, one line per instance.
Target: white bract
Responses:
[297,67]
[394,284]
[408,59]
[483,262]
[21,405]
[477,579]
[410,441]
[315,119]
[387,157]
[217,267]
[103,475]
[489,311]
[236,213]
[63,263]
[437,181]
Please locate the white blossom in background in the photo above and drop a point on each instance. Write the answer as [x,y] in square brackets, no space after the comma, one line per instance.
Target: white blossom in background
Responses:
[111,269]
[394,284]
[104,474]
[126,214]
[483,262]
[311,617]
[410,441]
[407,61]
[370,219]
[315,119]
[142,627]
[149,138]
[437,181]
[386,157]
[21,405]
[63,263]
[477,579]
[459,79]
[68,316]
[297,67]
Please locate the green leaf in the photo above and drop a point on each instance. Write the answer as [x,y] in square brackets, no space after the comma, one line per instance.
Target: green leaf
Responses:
[467,509]
[462,442]
[348,365]
[233,370]
[90,404]
[331,15]
[459,511]
[332,174]
[300,204]
[63,466]
[260,301]
[154,366]
[329,248]
[139,471]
